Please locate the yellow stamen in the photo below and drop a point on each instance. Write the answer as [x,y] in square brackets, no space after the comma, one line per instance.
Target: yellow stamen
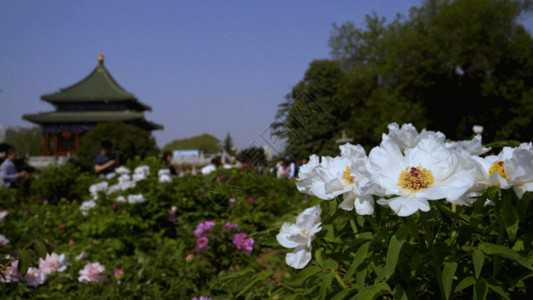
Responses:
[415,179]
[498,167]
[347,176]
[304,233]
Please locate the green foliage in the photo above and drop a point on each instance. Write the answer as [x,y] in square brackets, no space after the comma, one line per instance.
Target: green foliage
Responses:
[228,145]
[252,156]
[205,143]
[128,142]
[25,140]
[60,181]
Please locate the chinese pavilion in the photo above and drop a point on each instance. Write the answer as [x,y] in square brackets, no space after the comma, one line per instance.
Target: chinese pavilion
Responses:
[96,99]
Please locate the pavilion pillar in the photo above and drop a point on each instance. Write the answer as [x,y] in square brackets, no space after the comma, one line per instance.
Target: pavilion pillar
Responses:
[55,144]
[43,151]
[76,142]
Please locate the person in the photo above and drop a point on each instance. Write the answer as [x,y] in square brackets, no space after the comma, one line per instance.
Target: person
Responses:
[8,171]
[167,160]
[105,161]
[215,164]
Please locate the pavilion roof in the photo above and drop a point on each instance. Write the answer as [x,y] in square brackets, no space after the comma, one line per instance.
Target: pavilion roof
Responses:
[90,117]
[98,86]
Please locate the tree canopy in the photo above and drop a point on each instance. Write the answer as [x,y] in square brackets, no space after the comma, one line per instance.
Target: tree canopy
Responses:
[205,143]
[25,140]
[446,66]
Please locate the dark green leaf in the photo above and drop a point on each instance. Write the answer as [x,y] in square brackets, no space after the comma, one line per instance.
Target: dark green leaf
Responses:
[331,264]
[393,253]
[498,290]
[491,249]
[304,275]
[326,283]
[25,259]
[481,289]
[373,291]
[466,282]
[478,258]
[360,256]
[447,277]
[342,294]
[510,219]
[40,249]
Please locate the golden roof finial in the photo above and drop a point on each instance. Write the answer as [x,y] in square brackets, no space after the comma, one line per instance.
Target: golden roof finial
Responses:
[101,58]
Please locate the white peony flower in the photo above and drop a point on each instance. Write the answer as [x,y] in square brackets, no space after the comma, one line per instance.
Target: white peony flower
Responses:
[165,178]
[98,187]
[120,199]
[132,199]
[407,136]
[299,236]
[344,175]
[472,147]
[34,277]
[122,170]
[110,175]
[3,240]
[163,172]
[512,167]
[3,215]
[427,171]
[86,206]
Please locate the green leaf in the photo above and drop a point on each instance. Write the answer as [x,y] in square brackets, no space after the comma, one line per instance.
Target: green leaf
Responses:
[331,264]
[498,290]
[399,293]
[40,249]
[492,249]
[522,204]
[25,259]
[393,253]
[373,291]
[481,289]
[326,283]
[466,282]
[260,278]
[361,275]
[492,192]
[510,218]
[332,206]
[360,256]
[304,275]
[447,277]
[342,294]
[478,258]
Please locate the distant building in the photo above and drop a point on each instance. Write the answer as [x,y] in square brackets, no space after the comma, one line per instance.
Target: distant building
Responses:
[96,99]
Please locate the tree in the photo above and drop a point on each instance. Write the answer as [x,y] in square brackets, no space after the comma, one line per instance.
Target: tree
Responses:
[252,156]
[228,145]
[205,143]
[25,140]
[450,65]
[128,142]
[310,119]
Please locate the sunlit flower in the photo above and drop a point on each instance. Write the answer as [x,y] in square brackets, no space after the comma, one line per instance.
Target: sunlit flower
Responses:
[407,136]
[110,175]
[34,277]
[202,242]
[345,175]
[299,236]
[512,167]
[472,147]
[92,272]
[165,178]
[141,173]
[86,206]
[120,199]
[427,171]
[53,263]
[98,187]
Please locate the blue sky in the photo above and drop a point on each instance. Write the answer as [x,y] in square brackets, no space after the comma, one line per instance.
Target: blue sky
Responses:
[203,66]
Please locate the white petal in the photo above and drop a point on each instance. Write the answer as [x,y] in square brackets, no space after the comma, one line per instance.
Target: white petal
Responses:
[299,258]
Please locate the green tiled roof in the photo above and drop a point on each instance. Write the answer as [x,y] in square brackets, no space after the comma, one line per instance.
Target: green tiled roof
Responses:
[90,117]
[99,86]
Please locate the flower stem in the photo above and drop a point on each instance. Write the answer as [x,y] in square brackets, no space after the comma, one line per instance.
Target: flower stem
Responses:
[433,253]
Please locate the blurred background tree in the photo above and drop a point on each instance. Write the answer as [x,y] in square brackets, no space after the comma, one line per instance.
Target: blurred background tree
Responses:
[205,143]
[447,66]
[25,140]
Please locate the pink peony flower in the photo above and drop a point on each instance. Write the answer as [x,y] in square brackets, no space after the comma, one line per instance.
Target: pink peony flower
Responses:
[230,225]
[11,274]
[53,263]
[3,240]
[92,272]
[81,256]
[62,226]
[240,240]
[203,227]
[189,257]
[201,298]
[34,277]
[113,206]
[222,176]
[202,242]
[118,274]
[250,200]
[232,200]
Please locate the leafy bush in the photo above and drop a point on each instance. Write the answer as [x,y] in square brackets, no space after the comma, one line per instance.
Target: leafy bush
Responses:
[128,142]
